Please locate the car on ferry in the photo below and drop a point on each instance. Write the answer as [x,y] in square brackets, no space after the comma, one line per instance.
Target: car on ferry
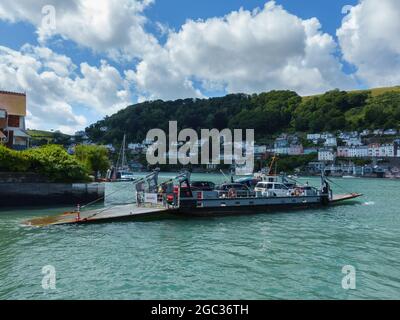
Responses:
[250,182]
[272,189]
[202,186]
[233,190]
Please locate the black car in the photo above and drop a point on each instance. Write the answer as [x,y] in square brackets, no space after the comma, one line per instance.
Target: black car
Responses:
[202,186]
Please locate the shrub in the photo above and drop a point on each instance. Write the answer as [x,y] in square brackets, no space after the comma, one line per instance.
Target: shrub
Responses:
[53,162]
[13,161]
[50,161]
[94,158]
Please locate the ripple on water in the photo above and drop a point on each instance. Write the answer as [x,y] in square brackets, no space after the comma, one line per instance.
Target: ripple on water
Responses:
[296,255]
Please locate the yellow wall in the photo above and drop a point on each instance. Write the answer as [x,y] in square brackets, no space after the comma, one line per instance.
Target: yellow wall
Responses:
[15,104]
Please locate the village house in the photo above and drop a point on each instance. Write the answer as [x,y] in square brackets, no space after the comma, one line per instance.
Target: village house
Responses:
[390,132]
[12,120]
[327,154]
[281,146]
[383,151]
[296,150]
[330,142]
[352,152]
[365,133]
[353,141]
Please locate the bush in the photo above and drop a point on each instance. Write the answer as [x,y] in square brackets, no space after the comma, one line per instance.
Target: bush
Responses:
[13,161]
[94,158]
[50,161]
[53,162]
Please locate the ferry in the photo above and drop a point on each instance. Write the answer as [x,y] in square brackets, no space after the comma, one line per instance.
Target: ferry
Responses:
[272,193]
[177,198]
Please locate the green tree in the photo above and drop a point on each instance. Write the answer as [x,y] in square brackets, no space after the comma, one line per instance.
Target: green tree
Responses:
[94,158]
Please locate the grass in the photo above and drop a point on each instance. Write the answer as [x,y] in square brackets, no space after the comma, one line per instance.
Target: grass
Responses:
[38,135]
[374,92]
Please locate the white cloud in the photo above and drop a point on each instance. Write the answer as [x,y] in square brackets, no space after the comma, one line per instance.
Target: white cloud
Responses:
[370,40]
[54,86]
[244,51]
[112,26]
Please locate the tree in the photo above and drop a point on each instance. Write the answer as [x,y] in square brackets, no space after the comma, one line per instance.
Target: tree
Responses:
[94,158]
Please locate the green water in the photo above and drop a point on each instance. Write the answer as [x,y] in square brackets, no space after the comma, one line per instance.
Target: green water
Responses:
[296,255]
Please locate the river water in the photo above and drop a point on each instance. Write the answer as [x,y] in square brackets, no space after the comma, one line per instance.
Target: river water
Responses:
[286,255]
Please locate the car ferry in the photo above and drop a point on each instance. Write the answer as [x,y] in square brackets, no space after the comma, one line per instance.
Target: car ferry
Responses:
[272,193]
[179,197]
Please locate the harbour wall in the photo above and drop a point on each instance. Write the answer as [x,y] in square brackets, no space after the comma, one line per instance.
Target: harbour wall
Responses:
[31,190]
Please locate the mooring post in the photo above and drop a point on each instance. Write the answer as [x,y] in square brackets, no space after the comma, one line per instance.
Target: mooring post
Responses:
[78,212]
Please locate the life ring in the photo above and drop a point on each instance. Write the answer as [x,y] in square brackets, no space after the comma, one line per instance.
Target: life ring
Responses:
[232,193]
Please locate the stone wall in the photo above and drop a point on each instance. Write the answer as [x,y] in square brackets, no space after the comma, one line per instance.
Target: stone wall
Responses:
[15,191]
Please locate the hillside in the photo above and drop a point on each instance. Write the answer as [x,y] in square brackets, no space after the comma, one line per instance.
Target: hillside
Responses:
[373,92]
[267,113]
[41,137]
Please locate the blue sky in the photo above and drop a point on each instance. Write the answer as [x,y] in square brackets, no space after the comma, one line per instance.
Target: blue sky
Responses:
[103,56]
[174,13]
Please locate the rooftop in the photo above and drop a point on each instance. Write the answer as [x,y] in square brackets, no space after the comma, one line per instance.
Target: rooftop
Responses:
[13,93]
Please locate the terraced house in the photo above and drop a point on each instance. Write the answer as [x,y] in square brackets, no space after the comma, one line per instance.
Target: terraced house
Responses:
[12,120]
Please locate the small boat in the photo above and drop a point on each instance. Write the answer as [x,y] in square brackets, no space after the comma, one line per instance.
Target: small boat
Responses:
[121,172]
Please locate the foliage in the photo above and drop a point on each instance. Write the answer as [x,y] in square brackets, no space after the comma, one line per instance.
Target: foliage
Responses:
[40,137]
[290,163]
[268,113]
[94,158]
[51,161]
[327,112]
[13,161]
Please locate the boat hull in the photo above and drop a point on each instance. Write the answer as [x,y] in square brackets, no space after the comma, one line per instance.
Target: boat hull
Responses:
[216,207]
[192,208]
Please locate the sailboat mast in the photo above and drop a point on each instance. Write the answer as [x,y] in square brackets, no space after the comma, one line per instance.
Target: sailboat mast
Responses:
[123,152]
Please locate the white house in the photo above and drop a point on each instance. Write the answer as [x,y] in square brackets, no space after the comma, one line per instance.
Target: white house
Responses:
[374,150]
[353,141]
[314,137]
[357,152]
[326,155]
[390,132]
[387,150]
[296,150]
[330,142]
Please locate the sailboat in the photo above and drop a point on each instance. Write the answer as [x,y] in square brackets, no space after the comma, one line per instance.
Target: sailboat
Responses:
[121,172]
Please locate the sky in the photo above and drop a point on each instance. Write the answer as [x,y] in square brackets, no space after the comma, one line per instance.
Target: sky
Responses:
[80,60]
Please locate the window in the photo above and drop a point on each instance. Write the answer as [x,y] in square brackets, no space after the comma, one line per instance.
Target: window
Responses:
[3,114]
[13,121]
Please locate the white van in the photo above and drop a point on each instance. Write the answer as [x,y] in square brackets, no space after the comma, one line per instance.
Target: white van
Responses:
[272,189]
